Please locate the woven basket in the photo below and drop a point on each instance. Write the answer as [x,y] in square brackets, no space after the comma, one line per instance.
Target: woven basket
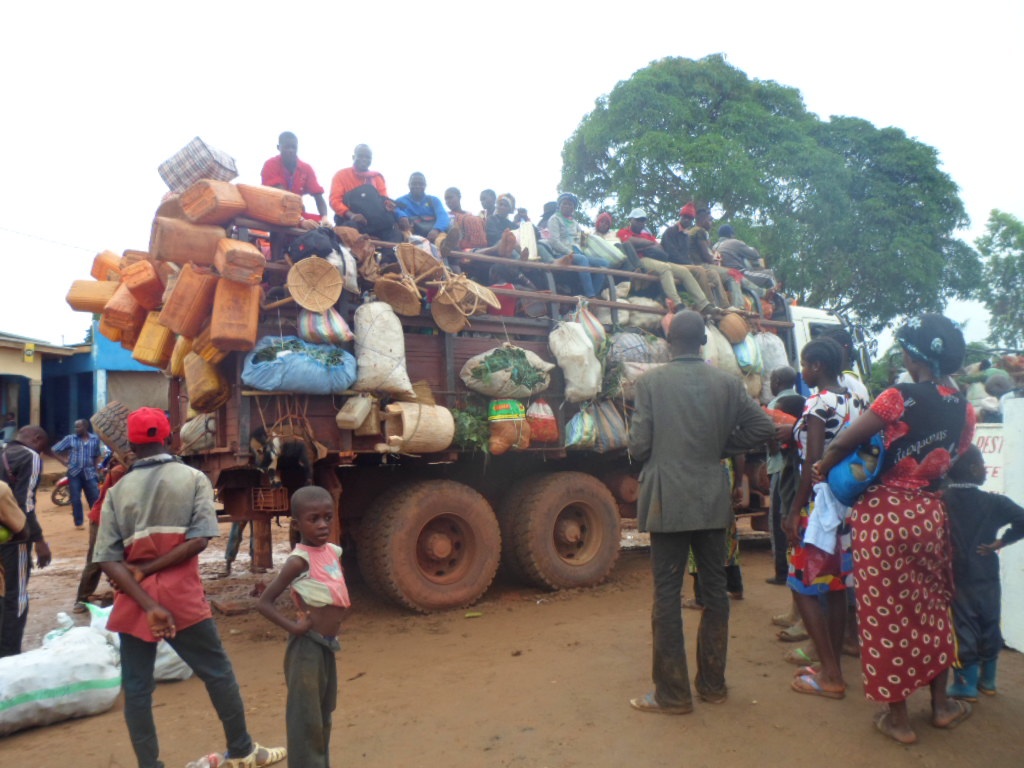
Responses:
[418,428]
[401,292]
[315,284]
[90,295]
[212,202]
[272,205]
[471,297]
[449,317]
[416,262]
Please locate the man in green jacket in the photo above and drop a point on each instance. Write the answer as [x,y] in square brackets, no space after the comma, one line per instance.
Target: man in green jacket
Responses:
[689,416]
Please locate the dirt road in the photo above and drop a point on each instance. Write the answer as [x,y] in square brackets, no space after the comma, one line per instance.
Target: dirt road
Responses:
[539,680]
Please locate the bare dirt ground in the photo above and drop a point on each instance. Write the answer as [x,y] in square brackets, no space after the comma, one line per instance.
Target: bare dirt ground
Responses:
[538,680]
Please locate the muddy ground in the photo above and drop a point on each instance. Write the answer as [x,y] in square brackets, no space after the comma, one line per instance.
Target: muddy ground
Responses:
[538,680]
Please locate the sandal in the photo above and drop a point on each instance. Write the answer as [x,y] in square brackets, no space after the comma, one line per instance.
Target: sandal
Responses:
[647,703]
[883,722]
[785,619]
[272,755]
[808,670]
[793,634]
[800,657]
[810,684]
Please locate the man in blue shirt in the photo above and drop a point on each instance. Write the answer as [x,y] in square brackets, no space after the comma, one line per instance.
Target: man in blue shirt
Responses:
[81,454]
[424,214]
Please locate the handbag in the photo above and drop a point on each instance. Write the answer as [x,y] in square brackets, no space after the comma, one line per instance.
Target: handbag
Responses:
[861,468]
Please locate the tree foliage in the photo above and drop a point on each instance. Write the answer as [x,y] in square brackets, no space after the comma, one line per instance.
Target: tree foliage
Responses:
[1002,286]
[851,217]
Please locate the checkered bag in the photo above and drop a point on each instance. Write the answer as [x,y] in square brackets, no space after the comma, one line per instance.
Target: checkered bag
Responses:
[196,161]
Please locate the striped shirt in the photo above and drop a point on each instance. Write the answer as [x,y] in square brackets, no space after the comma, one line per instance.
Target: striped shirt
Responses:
[82,454]
[158,505]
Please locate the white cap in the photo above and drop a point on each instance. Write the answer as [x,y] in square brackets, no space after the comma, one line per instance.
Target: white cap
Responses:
[637,213]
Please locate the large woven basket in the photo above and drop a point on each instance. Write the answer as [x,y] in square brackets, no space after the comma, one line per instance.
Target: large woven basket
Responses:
[416,262]
[470,296]
[449,317]
[315,284]
[401,292]
[418,428]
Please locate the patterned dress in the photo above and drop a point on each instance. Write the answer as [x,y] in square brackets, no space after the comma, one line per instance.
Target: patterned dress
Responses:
[901,551]
[836,411]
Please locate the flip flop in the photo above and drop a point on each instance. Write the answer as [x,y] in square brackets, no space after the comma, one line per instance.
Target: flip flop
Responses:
[799,657]
[965,712]
[793,634]
[647,703]
[884,727]
[809,684]
[805,671]
[785,620]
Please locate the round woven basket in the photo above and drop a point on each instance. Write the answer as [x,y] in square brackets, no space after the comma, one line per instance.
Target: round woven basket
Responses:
[315,284]
[449,317]
[472,297]
[400,292]
[417,262]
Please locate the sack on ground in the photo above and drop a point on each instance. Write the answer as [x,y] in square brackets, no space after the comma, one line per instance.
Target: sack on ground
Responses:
[507,371]
[574,351]
[168,666]
[289,364]
[380,350]
[543,424]
[77,674]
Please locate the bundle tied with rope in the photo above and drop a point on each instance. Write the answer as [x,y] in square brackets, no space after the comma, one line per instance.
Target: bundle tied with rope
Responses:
[402,290]
[459,298]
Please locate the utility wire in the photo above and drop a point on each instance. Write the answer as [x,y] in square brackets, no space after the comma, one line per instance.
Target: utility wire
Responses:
[46,239]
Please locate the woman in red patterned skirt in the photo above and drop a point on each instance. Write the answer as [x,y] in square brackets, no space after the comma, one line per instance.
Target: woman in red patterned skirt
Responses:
[901,553]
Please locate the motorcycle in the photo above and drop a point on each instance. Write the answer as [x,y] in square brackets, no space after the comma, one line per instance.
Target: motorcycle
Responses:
[61,493]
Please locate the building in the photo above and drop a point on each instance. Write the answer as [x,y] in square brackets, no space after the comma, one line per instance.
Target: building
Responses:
[21,375]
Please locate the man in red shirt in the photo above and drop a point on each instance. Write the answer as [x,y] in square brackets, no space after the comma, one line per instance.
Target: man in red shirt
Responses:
[153,525]
[289,173]
[359,198]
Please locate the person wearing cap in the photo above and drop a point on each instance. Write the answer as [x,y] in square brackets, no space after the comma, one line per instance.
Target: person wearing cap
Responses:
[700,253]
[21,467]
[655,260]
[745,259]
[153,525]
[563,237]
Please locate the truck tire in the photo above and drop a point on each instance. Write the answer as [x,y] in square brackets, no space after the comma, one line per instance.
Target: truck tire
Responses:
[430,546]
[564,531]
[110,424]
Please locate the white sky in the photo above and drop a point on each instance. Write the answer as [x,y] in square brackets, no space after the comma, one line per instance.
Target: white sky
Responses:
[95,96]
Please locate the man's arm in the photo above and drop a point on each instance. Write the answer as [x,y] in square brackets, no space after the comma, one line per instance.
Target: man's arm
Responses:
[704,249]
[753,426]
[321,206]
[184,551]
[161,622]
[641,428]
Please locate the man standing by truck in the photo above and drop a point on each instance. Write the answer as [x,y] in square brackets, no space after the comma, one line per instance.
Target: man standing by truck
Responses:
[689,416]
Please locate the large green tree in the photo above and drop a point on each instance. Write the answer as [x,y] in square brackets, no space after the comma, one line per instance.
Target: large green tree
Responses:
[1002,286]
[852,217]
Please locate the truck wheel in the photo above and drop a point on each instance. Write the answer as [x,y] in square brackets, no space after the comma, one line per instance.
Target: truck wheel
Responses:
[565,531]
[110,423]
[430,546]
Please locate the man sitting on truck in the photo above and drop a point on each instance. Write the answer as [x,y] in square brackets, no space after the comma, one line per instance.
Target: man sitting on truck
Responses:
[700,253]
[359,198]
[287,172]
[423,213]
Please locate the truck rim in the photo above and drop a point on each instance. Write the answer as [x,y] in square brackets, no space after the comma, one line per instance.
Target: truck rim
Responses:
[444,549]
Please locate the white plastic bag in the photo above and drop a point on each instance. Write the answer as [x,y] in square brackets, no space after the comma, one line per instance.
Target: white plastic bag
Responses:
[380,350]
[718,352]
[76,674]
[167,667]
[507,371]
[574,351]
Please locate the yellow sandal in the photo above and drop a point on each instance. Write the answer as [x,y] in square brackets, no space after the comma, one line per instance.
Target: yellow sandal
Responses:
[273,755]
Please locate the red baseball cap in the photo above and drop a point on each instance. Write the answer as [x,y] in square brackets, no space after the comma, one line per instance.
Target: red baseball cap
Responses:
[148,425]
[688,210]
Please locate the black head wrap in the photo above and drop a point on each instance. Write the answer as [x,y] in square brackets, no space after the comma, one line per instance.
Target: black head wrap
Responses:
[935,340]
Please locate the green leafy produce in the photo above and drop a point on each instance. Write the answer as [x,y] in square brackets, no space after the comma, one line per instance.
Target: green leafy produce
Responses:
[472,431]
[319,352]
[512,359]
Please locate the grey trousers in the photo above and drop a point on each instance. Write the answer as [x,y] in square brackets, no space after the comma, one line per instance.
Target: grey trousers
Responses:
[669,669]
[311,672]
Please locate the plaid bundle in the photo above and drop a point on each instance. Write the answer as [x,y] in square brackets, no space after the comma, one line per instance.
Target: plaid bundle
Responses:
[196,161]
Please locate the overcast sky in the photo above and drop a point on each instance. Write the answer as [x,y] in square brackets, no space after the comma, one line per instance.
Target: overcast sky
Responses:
[96,96]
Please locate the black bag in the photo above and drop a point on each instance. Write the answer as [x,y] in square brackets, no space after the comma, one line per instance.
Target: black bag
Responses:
[317,242]
[366,200]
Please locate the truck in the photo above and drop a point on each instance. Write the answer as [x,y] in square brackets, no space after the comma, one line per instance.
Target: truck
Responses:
[429,532]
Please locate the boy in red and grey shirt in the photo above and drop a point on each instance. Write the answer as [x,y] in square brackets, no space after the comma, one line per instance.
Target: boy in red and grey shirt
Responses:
[153,525]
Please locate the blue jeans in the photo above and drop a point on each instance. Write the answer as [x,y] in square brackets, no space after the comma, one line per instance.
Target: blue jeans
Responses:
[200,647]
[580,259]
[77,484]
